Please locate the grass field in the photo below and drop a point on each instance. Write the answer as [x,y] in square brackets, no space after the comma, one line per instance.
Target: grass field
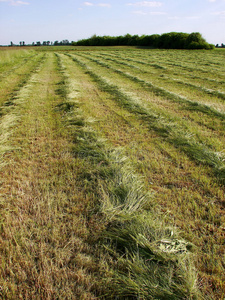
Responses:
[112,170]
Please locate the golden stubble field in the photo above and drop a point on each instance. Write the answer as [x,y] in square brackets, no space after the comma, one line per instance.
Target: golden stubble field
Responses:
[112,173]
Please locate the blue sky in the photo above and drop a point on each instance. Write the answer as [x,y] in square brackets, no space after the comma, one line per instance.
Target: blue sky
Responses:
[43,20]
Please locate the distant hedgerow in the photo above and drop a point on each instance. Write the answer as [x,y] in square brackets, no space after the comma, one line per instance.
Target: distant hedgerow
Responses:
[171,40]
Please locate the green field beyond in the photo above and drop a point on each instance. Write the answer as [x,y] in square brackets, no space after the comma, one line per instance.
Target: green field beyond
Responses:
[112,165]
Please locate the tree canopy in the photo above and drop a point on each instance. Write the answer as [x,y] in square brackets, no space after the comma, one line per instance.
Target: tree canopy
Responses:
[172,40]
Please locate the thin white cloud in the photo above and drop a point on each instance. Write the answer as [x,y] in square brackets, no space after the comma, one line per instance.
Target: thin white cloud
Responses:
[219,13]
[104,5]
[88,4]
[174,18]
[139,12]
[15,3]
[99,4]
[212,0]
[152,13]
[193,18]
[146,4]
[158,13]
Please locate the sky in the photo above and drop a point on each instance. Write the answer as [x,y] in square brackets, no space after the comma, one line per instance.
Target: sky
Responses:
[56,20]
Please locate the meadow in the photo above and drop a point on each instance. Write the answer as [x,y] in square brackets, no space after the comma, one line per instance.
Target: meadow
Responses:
[112,165]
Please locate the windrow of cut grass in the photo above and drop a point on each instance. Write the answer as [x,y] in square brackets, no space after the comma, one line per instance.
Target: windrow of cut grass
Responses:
[159,91]
[10,111]
[83,218]
[76,222]
[164,127]
[155,65]
[7,67]
[45,204]
[163,77]
[145,251]
[191,198]
[15,80]
[196,62]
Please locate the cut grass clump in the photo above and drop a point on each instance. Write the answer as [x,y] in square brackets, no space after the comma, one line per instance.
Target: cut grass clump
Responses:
[65,106]
[61,89]
[136,239]
[152,261]
[148,281]
[143,245]
[145,258]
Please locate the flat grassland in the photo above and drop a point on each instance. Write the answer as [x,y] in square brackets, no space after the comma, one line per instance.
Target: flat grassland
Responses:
[112,165]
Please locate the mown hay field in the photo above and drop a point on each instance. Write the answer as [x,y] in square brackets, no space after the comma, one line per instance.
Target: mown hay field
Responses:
[112,165]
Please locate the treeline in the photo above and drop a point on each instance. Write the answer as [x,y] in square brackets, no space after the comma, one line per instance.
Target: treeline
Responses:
[172,40]
[44,43]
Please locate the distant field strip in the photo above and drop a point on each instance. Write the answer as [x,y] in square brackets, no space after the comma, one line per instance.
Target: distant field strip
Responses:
[193,106]
[193,62]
